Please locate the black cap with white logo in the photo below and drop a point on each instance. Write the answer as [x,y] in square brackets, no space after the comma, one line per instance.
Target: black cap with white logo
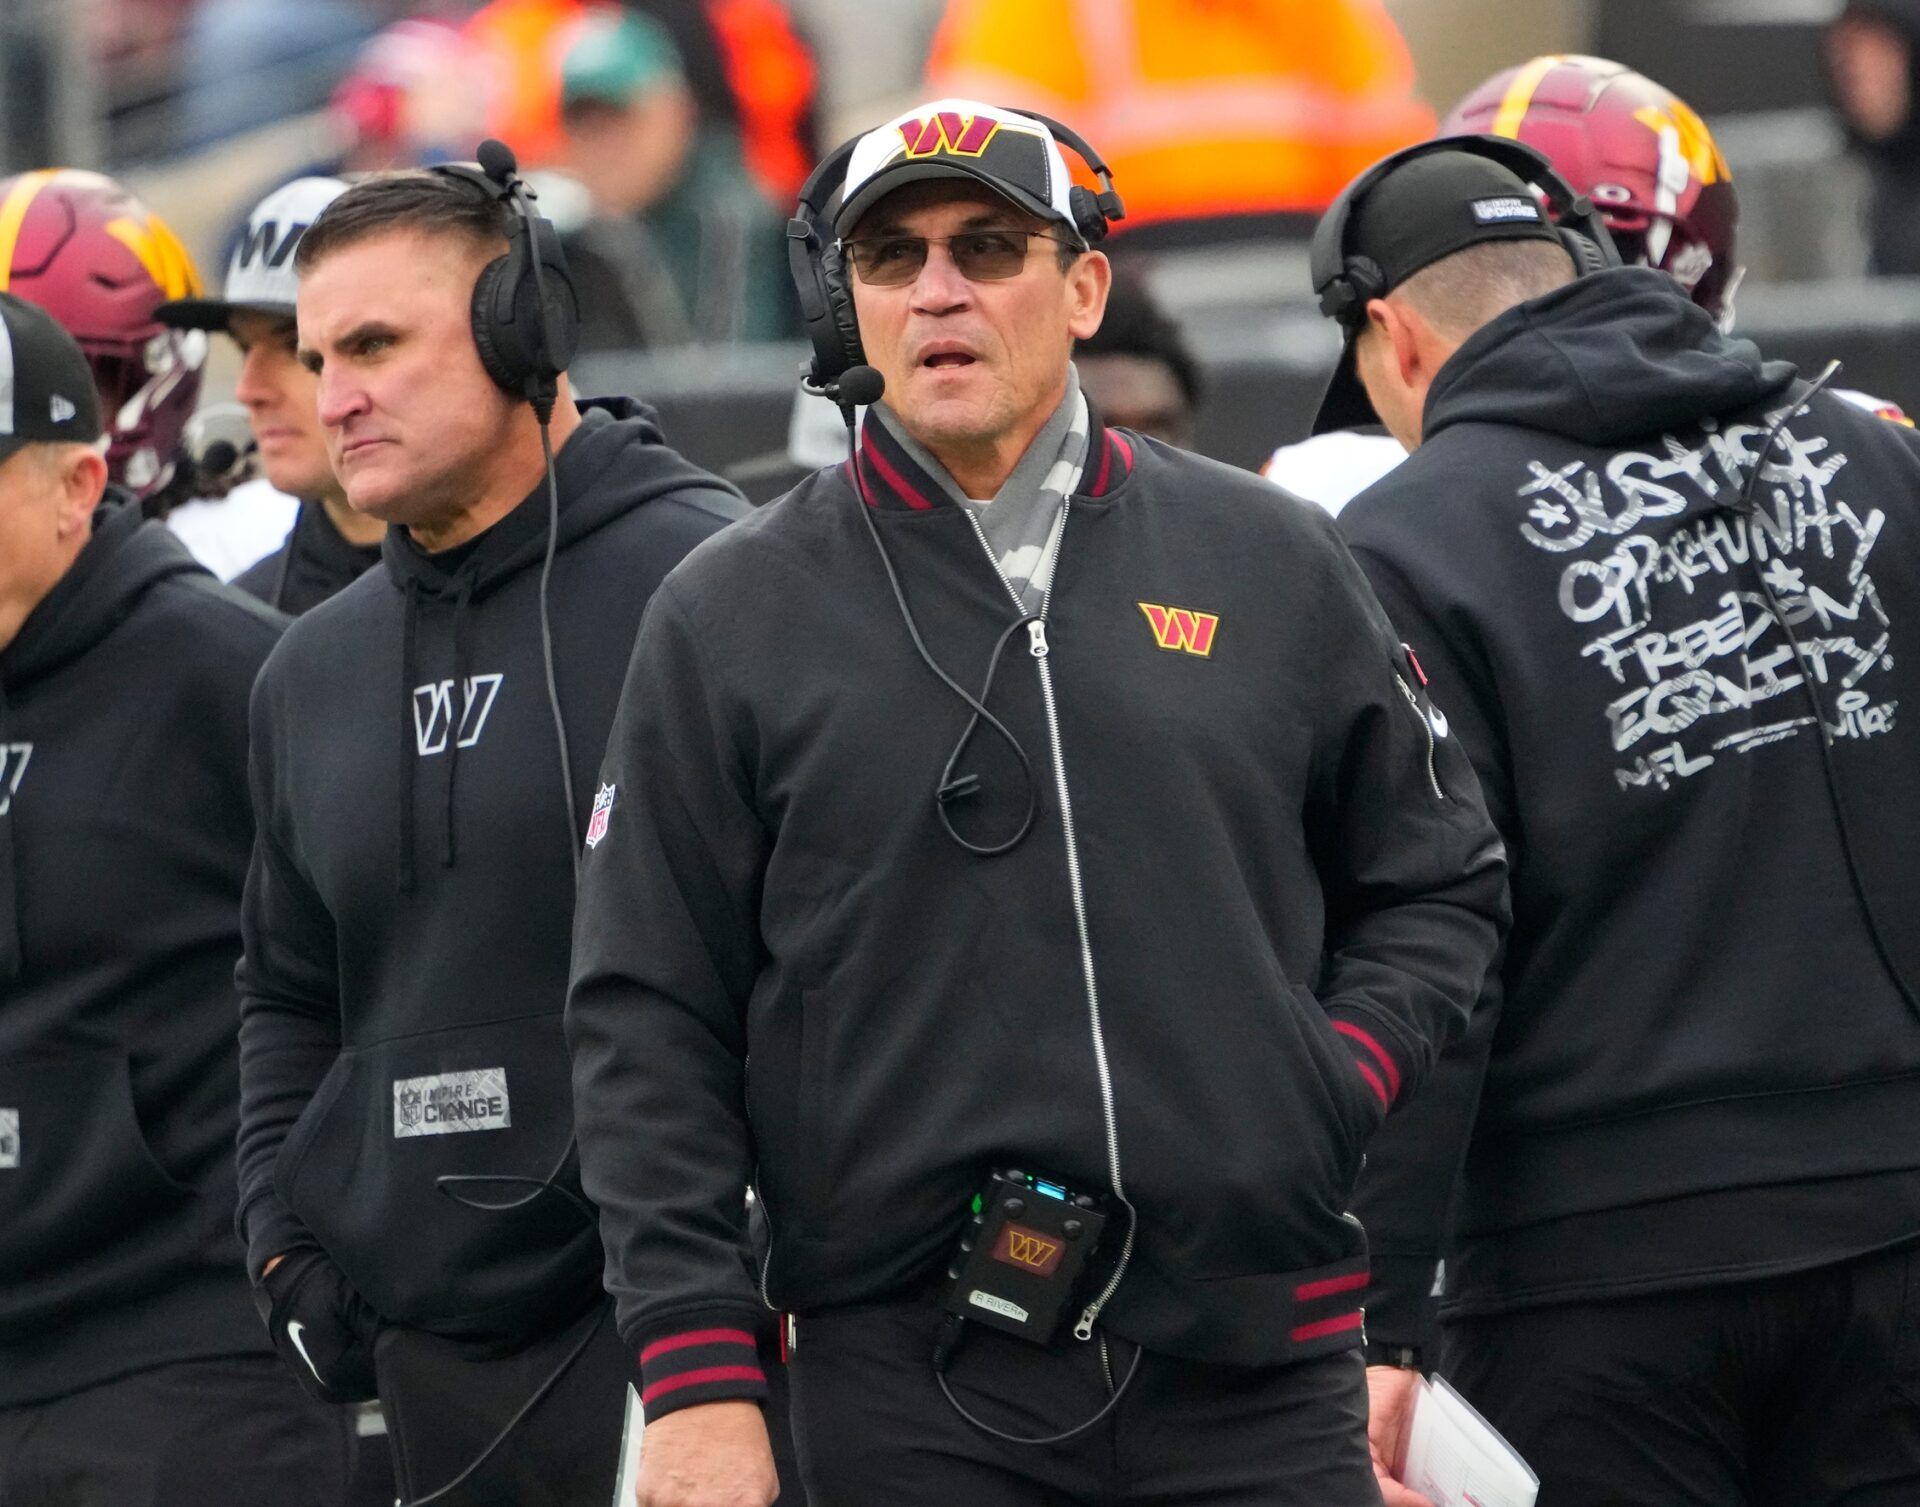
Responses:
[1418,214]
[46,387]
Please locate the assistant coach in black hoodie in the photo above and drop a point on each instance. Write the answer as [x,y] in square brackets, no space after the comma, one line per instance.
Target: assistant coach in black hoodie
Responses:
[1685,1265]
[408,1187]
[130,1356]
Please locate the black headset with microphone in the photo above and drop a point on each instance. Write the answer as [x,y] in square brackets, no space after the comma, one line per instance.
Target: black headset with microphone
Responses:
[820,273]
[526,314]
[1346,282]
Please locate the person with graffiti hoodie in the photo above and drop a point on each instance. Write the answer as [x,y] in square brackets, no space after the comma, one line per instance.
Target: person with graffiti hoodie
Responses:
[409,1193]
[1671,581]
[129,1351]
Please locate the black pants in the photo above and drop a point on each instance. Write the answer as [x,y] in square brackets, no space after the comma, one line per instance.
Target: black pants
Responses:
[873,1430]
[229,1432]
[444,1407]
[1800,1391]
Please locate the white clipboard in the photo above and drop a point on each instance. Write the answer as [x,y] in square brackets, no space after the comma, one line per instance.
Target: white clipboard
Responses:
[627,1477]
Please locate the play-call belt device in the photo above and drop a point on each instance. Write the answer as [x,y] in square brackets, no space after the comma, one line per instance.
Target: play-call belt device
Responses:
[1022,1258]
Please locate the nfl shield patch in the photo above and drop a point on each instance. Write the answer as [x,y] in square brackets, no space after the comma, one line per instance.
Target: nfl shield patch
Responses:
[602,810]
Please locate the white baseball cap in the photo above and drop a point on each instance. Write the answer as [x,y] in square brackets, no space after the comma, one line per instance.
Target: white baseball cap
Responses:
[260,277]
[1013,154]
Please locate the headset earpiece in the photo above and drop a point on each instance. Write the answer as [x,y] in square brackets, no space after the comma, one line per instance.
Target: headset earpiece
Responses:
[820,277]
[1345,283]
[1088,217]
[525,311]
[1346,297]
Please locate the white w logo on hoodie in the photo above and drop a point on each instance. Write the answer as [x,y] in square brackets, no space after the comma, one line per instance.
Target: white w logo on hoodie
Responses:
[13,768]
[433,719]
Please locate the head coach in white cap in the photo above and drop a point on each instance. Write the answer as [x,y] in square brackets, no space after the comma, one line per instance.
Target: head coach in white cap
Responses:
[1023,852]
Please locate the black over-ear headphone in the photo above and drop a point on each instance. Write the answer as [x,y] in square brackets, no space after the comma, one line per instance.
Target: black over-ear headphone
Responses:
[819,270]
[526,314]
[1346,283]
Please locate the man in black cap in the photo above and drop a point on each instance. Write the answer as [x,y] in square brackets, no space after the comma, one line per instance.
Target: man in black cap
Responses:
[133,1367]
[1165,914]
[1659,583]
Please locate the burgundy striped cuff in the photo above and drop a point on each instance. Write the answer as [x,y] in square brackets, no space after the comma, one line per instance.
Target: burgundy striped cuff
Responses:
[700,1365]
[1329,1309]
[1375,1062]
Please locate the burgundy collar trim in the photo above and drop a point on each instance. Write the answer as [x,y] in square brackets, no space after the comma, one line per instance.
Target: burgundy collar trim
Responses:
[889,478]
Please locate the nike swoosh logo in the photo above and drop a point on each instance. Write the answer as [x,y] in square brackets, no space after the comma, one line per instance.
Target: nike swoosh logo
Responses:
[294,1330]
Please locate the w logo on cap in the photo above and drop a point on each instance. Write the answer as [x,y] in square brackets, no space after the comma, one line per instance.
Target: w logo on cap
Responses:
[948,133]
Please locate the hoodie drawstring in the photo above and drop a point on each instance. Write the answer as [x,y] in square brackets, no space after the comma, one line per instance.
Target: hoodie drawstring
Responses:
[460,698]
[409,749]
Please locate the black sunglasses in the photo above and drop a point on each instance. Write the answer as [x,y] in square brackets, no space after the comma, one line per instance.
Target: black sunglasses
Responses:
[981,256]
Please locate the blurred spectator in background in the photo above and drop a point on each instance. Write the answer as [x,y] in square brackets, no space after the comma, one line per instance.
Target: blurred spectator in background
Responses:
[521,44]
[749,68]
[250,63]
[87,251]
[682,240]
[1873,59]
[418,93]
[415,94]
[1258,108]
[1136,369]
[751,77]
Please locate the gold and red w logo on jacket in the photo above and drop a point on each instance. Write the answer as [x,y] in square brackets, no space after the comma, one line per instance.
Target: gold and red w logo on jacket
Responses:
[1181,629]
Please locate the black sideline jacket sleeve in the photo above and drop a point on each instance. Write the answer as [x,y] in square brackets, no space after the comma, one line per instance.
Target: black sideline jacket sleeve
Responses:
[289,1003]
[666,950]
[1414,873]
[1405,1193]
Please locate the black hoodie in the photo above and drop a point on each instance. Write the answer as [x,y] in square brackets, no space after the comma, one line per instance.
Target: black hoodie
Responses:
[411,896]
[316,561]
[1702,1066]
[124,835]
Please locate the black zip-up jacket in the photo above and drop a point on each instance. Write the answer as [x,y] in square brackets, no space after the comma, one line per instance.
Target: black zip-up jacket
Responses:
[784,968]
[1701,1066]
[411,896]
[316,561]
[124,835]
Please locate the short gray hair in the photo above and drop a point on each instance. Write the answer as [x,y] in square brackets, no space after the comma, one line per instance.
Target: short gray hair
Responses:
[1459,293]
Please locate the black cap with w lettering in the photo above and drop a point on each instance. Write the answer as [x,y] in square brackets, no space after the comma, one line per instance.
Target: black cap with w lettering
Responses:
[46,387]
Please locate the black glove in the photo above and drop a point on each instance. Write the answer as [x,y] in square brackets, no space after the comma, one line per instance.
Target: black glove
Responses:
[322,1328]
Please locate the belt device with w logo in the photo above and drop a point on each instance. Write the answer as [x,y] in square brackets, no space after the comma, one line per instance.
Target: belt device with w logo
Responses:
[1024,1254]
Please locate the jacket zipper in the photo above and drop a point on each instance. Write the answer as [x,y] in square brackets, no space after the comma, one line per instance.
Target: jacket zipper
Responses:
[1037,634]
[1433,776]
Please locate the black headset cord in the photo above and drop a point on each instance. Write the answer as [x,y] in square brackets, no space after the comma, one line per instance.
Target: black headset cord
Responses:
[539,1395]
[948,1345]
[1745,507]
[951,787]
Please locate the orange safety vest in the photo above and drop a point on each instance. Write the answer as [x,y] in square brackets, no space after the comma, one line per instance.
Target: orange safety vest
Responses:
[1201,107]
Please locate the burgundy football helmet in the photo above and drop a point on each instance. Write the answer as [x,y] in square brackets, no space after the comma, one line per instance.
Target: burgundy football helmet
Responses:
[1637,150]
[98,260]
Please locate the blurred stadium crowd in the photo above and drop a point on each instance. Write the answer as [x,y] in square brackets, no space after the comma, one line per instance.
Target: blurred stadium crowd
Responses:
[667,139]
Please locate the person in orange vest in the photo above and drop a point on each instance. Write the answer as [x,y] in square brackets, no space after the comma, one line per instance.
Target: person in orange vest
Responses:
[1204,109]
[750,70]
